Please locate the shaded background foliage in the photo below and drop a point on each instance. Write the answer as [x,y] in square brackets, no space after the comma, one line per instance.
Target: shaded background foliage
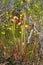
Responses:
[34,8]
